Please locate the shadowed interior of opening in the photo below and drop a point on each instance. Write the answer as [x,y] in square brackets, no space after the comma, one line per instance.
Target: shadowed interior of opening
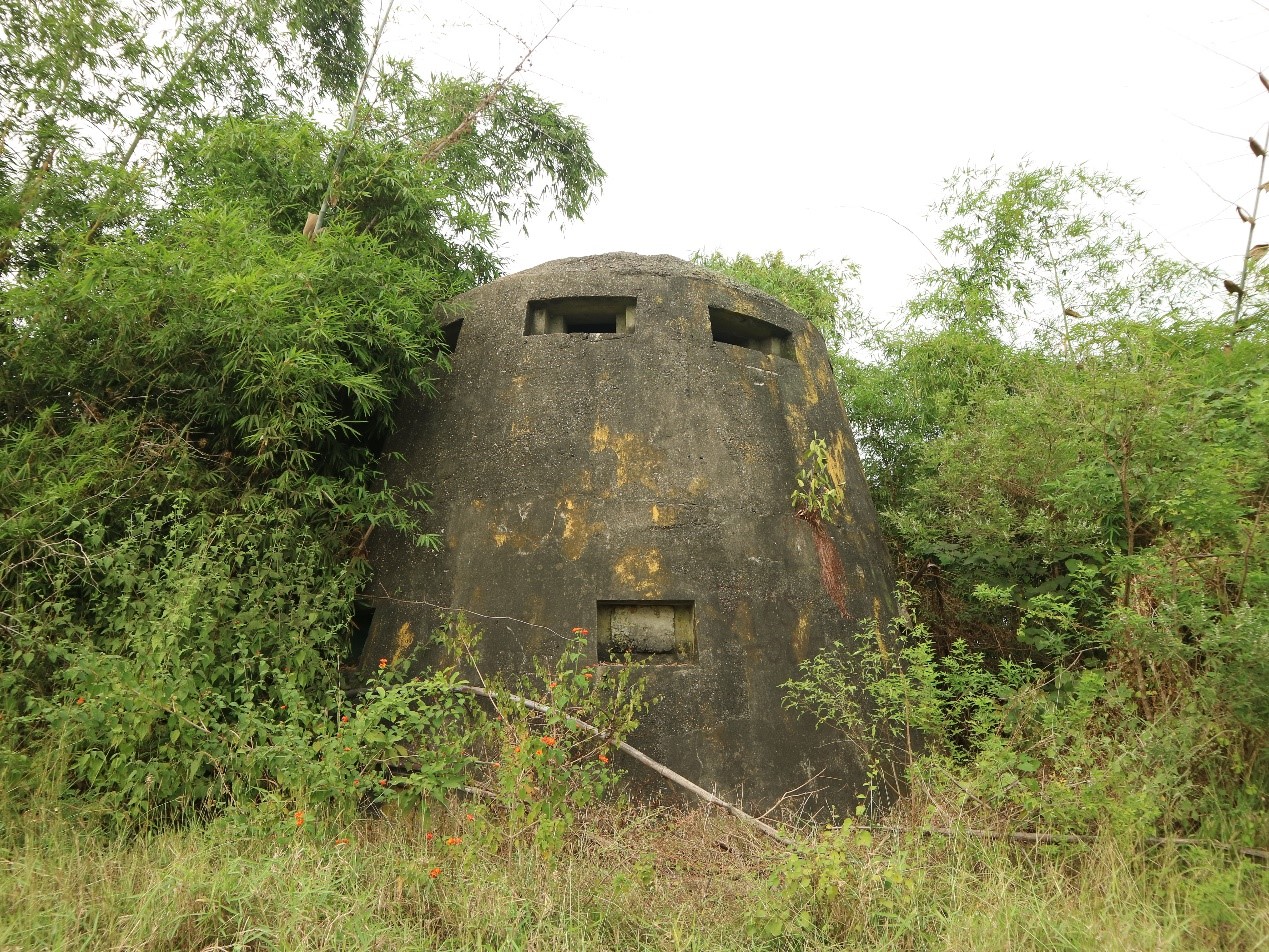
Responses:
[450,333]
[741,330]
[580,315]
[358,630]
[657,632]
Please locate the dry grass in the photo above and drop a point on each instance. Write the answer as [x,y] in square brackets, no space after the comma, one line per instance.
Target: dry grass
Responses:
[628,878]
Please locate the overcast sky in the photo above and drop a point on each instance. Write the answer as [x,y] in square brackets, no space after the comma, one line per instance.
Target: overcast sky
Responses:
[795,125]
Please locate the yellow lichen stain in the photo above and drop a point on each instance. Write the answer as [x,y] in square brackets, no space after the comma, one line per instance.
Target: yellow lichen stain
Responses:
[697,484]
[665,516]
[837,453]
[824,377]
[801,639]
[637,462]
[639,568]
[578,529]
[520,541]
[795,417]
[404,641]
[881,642]
[805,356]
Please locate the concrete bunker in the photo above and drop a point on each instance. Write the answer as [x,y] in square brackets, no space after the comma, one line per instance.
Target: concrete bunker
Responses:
[614,450]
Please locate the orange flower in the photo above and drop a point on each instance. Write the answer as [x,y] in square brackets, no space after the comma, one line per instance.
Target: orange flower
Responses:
[282,708]
[495,765]
[587,675]
[299,817]
[383,783]
[434,871]
[79,701]
[453,841]
[341,841]
[553,684]
[383,663]
[603,759]
[356,783]
[344,719]
[580,631]
[538,751]
[428,837]
[549,741]
[470,817]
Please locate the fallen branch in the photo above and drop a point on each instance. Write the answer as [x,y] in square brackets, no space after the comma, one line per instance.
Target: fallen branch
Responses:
[642,758]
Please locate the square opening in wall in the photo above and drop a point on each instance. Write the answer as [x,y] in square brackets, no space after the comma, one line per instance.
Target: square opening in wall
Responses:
[741,330]
[581,315]
[655,632]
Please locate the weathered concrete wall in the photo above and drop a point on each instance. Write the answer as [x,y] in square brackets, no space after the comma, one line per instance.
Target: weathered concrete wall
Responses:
[650,465]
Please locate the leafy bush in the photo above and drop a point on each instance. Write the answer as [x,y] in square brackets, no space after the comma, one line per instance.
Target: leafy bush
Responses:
[194,390]
[1069,445]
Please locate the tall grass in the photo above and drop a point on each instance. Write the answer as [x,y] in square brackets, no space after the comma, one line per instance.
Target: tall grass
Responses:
[627,877]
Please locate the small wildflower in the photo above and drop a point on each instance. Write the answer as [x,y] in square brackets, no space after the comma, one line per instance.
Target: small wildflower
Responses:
[538,751]
[347,748]
[341,841]
[428,837]
[549,741]
[299,817]
[517,750]
[356,783]
[79,701]
[453,841]
[495,765]
[603,759]
[434,871]
[344,719]
[470,817]
[553,685]
[383,663]
[580,631]
[282,708]
[383,783]
[587,675]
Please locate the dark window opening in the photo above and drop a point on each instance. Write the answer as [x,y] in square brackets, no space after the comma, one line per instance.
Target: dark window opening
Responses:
[655,632]
[740,330]
[450,334]
[358,632]
[581,315]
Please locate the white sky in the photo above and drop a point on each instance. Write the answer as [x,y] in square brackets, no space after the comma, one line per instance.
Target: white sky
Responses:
[747,126]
